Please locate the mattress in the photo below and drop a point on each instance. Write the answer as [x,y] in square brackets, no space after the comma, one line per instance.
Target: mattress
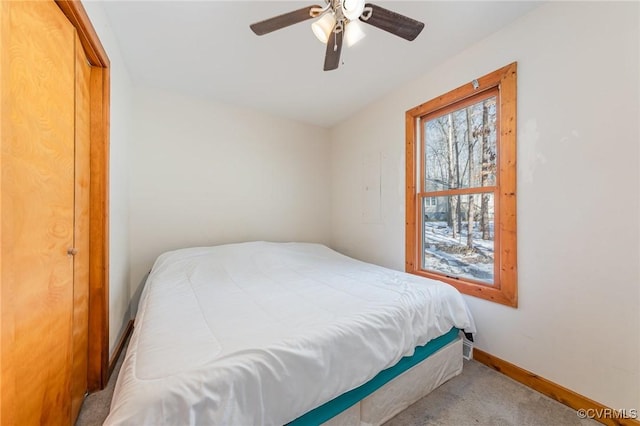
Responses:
[261,333]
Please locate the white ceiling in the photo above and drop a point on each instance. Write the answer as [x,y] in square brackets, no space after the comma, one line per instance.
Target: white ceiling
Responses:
[206,49]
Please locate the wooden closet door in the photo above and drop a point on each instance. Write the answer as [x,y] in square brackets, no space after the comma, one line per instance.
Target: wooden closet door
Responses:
[39,348]
[81,231]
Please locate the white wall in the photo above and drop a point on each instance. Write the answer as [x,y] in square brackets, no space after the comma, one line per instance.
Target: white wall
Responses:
[578,322]
[208,173]
[121,100]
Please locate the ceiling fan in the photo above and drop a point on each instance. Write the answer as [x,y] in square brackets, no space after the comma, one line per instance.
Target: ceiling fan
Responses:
[338,20]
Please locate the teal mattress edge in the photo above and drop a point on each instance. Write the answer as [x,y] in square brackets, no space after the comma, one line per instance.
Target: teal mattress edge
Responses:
[337,405]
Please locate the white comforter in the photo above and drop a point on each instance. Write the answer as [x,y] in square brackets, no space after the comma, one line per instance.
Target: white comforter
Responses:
[261,333]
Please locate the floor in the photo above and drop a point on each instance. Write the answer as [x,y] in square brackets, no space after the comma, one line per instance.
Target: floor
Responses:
[482,396]
[479,396]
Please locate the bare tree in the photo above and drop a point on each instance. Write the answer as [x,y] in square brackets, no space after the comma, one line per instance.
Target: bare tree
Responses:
[486,170]
[453,201]
[437,164]
[470,146]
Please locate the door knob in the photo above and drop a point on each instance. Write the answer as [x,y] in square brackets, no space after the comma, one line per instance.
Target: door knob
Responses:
[72,251]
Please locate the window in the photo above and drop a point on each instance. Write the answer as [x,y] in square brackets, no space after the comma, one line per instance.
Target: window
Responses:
[461,188]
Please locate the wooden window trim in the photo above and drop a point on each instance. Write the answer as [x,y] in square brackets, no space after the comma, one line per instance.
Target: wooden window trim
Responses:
[504,81]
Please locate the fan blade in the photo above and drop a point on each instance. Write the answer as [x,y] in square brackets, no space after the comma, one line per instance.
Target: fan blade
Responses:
[284,20]
[334,47]
[393,22]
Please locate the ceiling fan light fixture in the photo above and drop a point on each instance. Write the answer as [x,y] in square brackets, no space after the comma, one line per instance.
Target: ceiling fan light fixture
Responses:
[352,9]
[322,27]
[353,33]
[339,20]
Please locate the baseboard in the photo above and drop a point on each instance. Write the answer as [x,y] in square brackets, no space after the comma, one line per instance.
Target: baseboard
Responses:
[593,409]
[120,346]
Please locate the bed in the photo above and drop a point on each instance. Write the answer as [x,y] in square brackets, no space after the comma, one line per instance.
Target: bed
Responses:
[266,333]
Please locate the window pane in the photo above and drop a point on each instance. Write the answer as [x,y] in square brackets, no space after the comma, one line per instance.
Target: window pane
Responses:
[448,246]
[460,148]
